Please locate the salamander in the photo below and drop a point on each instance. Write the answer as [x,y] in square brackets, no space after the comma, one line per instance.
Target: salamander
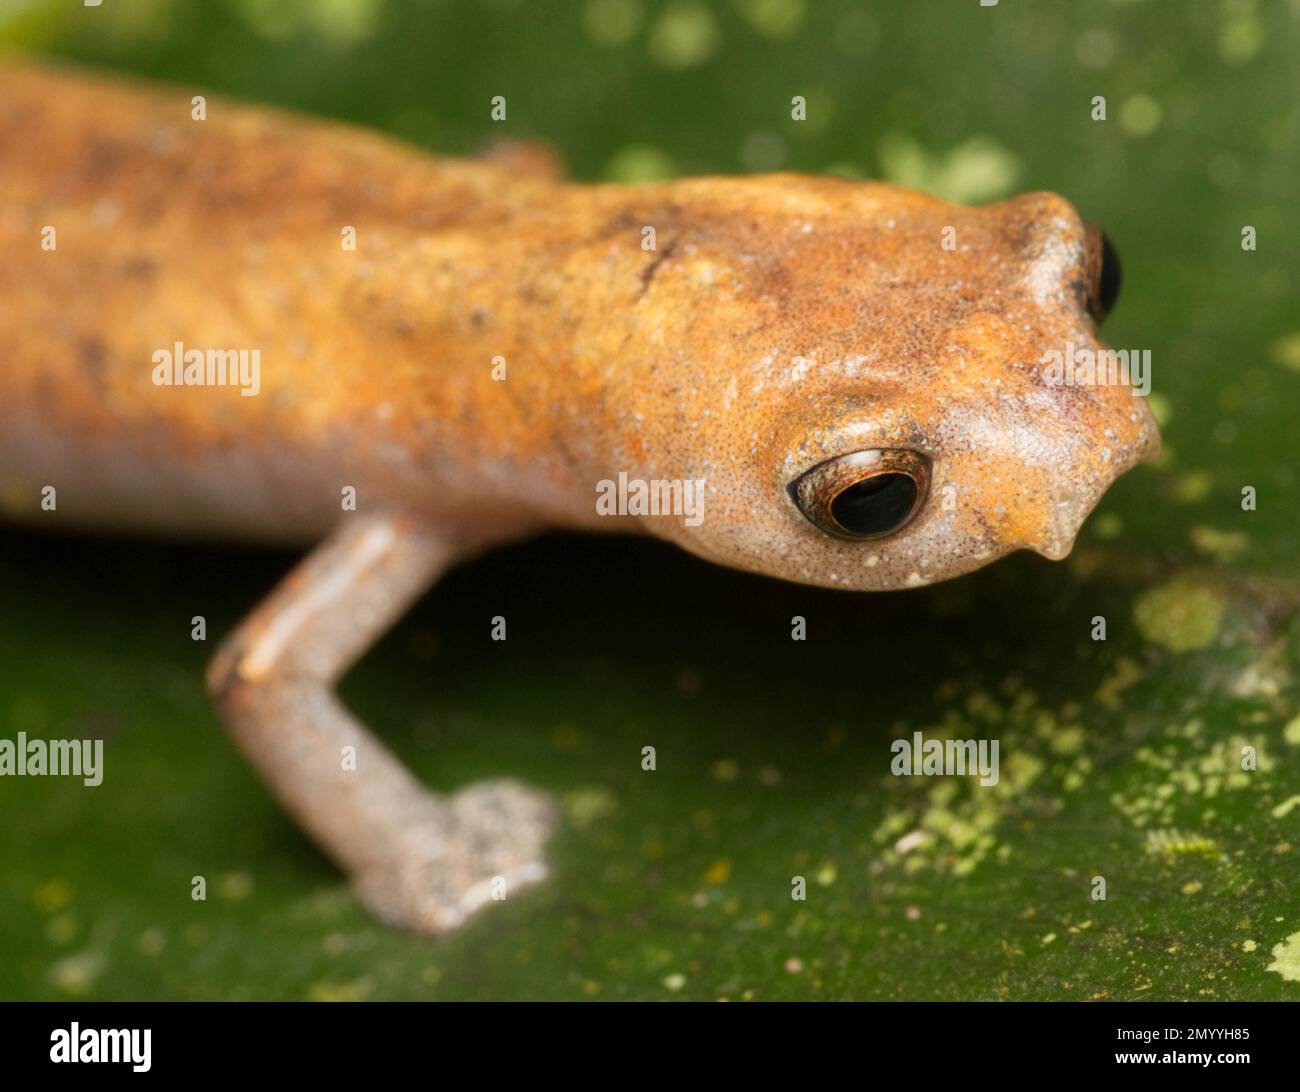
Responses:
[233,323]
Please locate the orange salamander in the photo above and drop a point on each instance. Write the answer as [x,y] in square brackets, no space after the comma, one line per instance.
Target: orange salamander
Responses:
[255,326]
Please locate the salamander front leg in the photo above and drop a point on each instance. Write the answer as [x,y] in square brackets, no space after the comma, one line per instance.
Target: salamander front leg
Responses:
[417,860]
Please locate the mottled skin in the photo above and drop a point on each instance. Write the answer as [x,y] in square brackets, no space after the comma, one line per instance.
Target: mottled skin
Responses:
[781,321]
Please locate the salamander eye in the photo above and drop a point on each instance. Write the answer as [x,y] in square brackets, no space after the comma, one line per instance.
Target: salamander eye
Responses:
[865,495]
[1103,274]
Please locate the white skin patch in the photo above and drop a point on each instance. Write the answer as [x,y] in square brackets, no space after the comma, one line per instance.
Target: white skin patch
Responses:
[1051,267]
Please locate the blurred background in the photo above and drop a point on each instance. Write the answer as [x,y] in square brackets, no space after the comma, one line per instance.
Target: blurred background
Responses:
[1120,758]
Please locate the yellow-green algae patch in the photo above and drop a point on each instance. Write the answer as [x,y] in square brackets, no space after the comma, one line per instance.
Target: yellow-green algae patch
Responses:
[1291,733]
[1186,781]
[951,824]
[1182,615]
[1286,958]
[1286,351]
[1222,546]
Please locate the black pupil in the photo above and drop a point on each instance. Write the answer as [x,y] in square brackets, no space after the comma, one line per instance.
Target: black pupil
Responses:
[1108,289]
[875,505]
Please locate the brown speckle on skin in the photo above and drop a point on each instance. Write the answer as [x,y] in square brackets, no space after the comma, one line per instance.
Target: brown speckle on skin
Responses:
[652,267]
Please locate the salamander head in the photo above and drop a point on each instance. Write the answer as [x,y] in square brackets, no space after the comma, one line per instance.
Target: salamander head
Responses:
[910,389]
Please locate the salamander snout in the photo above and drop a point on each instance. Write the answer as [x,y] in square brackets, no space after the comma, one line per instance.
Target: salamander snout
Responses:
[1074,495]
[1059,530]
